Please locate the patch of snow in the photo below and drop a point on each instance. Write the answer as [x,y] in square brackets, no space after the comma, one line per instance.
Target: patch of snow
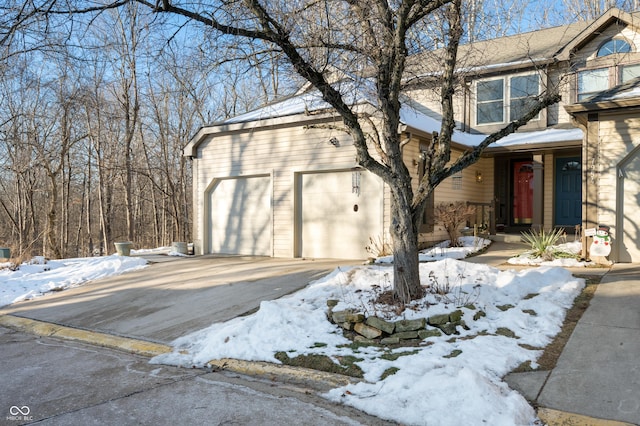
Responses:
[429,384]
[443,250]
[37,278]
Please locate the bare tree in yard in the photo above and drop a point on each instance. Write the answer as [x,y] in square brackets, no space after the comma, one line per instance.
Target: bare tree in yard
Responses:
[369,43]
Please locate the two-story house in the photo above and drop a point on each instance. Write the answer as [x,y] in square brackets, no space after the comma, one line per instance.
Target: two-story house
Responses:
[279,181]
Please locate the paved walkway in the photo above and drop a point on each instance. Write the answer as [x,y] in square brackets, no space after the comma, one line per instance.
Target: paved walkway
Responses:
[598,373]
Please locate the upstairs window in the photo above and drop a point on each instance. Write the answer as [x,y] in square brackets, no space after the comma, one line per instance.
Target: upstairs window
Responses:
[490,101]
[629,72]
[591,82]
[523,92]
[614,46]
[508,98]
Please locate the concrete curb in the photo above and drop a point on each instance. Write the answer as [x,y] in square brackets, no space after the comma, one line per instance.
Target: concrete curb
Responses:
[552,417]
[41,328]
[151,349]
[261,368]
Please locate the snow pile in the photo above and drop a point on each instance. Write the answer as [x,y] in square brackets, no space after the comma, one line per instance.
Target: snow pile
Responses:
[435,384]
[443,250]
[572,248]
[40,277]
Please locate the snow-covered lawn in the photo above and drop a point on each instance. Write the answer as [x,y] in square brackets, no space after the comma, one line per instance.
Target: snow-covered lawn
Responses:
[446,380]
[40,277]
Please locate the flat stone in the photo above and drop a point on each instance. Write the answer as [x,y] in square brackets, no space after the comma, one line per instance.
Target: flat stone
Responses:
[341,316]
[332,302]
[425,334]
[438,319]
[362,339]
[353,317]
[390,340]
[406,335]
[410,325]
[367,331]
[380,324]
[448,328]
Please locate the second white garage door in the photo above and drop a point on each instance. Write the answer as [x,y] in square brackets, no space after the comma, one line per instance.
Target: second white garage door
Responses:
[338,212]
[240,216]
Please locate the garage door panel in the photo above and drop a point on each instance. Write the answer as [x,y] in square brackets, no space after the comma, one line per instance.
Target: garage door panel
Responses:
[240,216]
[339,212]
[630,238]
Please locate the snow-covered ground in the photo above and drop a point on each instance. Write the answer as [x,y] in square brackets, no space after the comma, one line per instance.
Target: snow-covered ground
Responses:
[444,250]
[40,277]
[446,380]
[570,248]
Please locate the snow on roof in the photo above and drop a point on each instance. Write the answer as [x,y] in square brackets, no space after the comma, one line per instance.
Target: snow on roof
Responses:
[409,116]
[540,137]
[419,121]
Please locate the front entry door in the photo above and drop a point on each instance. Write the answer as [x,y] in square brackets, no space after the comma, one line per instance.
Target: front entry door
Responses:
[522,193]
[568,197]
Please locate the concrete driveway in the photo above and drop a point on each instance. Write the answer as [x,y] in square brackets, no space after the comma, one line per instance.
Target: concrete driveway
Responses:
[167,300]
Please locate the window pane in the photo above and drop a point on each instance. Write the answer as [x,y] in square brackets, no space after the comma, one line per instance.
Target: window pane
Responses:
[525,85]
[490,112]
[491,90]
[614,46]
[519,107]
[592,81]
[629,72]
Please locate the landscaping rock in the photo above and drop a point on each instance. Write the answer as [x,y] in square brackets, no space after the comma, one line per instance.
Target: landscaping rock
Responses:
[410,325]
[406,335]
[347,325]
[438,319]
[455,316]
[448,328]
[353,317]
[339,317]
[390,340]
[367,331]
[332,303]
[362,339]
[504,331]
[380,324]
[424,334]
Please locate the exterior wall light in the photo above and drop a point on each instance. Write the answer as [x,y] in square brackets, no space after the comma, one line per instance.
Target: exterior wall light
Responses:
[335,142]
[479,177]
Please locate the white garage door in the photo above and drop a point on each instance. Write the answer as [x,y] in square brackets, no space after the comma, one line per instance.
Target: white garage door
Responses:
[240,216]
[629,238]
[339,211]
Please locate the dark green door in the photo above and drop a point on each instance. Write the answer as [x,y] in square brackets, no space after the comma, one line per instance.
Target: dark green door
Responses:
[568,198]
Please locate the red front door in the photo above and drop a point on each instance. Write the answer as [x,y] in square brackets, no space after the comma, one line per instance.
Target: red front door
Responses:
[522,192]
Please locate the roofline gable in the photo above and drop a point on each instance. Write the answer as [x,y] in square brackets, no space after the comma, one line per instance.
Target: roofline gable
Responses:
[592,30]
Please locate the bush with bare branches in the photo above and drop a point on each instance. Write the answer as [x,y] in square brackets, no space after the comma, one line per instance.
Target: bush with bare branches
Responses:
[452,216]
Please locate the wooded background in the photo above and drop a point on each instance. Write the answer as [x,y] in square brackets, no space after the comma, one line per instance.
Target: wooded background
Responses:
[95,109]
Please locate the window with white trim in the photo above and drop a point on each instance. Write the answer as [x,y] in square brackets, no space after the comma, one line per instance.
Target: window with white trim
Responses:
[505,97]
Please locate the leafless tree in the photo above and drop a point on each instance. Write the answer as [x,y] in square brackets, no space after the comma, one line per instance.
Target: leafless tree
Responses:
[369,43]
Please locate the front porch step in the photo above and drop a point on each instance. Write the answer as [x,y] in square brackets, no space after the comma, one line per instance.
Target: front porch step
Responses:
[506,238]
